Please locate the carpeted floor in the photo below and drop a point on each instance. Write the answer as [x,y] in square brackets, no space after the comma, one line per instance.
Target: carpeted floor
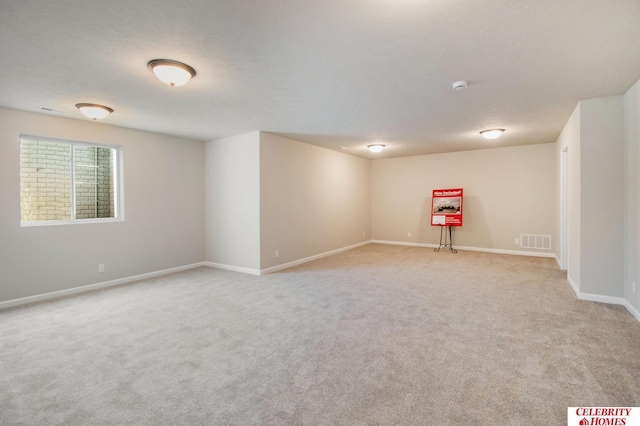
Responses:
[379,335]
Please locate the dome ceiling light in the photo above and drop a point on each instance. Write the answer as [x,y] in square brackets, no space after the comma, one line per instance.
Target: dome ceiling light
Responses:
[94,111]
[171,72]
[492,133]
[376,147]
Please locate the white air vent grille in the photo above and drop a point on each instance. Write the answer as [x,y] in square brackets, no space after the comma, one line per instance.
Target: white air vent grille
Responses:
[539,242]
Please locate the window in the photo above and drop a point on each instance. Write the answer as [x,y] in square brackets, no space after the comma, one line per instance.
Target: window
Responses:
[69,182]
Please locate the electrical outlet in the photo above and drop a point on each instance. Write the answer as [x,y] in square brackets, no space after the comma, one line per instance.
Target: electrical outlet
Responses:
[277,253]
[517,241]
[101,267]
[408,234]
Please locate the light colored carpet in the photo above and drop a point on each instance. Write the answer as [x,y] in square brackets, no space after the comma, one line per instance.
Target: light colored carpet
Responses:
[379,335]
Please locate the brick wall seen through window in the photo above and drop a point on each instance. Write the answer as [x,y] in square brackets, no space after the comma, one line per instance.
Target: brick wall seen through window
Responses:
[67,181]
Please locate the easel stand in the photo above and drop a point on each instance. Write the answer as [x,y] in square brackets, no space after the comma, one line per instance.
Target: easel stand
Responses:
[443,240]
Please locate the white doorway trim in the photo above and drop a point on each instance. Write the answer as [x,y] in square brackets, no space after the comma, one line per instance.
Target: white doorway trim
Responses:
[564,217]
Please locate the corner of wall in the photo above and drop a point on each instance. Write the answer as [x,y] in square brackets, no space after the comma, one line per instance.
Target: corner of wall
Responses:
[632,198]
[568,144]
[232,201]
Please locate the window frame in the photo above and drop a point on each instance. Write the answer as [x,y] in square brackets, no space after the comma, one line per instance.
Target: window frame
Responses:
[118,187]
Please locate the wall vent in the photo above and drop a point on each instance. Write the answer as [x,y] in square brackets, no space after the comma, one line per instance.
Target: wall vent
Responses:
[47,109]
[539,242]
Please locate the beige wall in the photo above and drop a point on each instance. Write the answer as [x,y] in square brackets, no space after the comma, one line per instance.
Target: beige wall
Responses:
[507,191]
[602,138]
[164,211]
[266,193]
[312,200]
[632,196]
[233,202]
[601,196]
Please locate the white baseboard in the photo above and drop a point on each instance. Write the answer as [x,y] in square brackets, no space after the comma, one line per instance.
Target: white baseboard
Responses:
[403,243]
[573,286]
[481,249]
[310,258]
[233,268]
[558,261]
[631,309]
[284,265]
[97,286]
[612,300]
[590,297]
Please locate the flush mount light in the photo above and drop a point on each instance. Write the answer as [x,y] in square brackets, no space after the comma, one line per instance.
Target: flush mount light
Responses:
[377,147]
[170,72]
[492,133]
[94,111]
[460,85]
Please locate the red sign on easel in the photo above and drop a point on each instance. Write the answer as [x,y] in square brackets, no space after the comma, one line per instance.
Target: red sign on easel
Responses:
[446,207]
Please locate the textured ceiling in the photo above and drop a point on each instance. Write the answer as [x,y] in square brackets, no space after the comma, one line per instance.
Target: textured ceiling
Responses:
[335,73]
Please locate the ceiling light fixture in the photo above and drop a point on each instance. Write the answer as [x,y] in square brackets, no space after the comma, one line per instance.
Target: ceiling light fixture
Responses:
[377,147]
[460,85]
[94,111]
[492,133]
[170,72]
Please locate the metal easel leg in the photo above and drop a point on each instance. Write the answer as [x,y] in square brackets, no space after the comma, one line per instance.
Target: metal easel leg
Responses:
[445,245]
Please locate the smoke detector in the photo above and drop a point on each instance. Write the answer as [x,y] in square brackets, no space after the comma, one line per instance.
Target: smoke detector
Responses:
[460,85]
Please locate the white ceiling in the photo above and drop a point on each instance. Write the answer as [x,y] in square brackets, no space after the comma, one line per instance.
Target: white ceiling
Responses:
[335,73]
